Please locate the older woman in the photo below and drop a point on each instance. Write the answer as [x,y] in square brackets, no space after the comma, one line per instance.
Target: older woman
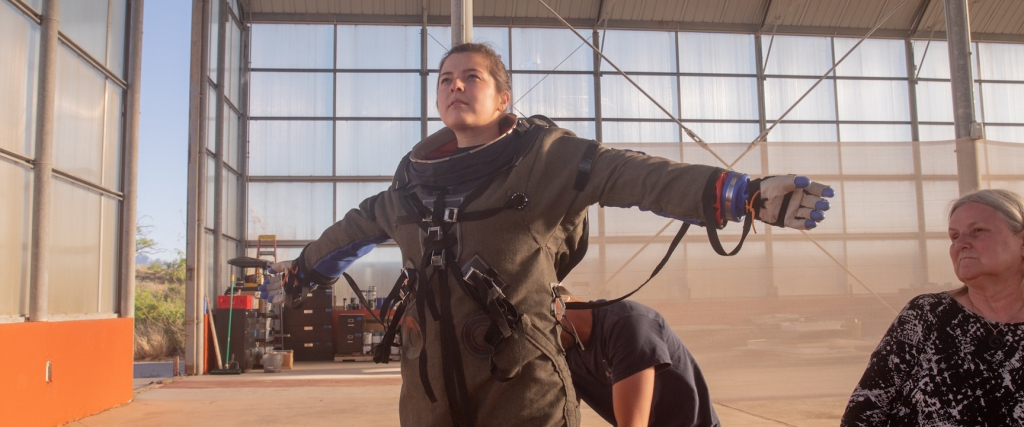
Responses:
[957,358]
[491,210]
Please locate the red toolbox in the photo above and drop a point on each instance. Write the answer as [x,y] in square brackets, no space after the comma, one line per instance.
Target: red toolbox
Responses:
[241,302]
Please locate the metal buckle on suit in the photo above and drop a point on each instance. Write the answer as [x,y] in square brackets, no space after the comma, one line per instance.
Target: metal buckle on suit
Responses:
[437,259]
[451,214]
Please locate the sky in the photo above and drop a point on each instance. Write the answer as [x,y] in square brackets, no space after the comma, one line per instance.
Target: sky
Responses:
[163,128]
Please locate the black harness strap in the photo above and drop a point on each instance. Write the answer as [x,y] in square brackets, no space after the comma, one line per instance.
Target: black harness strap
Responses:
[586,164]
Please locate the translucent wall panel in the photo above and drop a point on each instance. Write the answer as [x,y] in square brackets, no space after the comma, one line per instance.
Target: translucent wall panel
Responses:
[718,98]
[1002,102]
[874,133]
[938,157]
[554,95]
[18,71]
[378,47]
[214,50]
[290,94]
[1002,158]
[232,126]
[1001,61]
[934,102]
[211,195]
[78,124]
[669,151]
[937,197]
[780,94]
[873,58]
[279,147]
[940,267]
[213,288]
[544,49]
[620,99]
[292,46]
[714,276]
[936,132]
[272,209]
[75,255]
[378,268]
[877,158]
[797,56]
[351,194]
[378,95]
[933,63]
[116,39]
[582,128]
[802,157]
[884,266]
[717,53]
[112,138]
[804,132]
[873,100]
[233,62]
[439,40]
[373,148]
[15,218]
[639,132]
[232,182]
[230,249]
[211,119]
[799,268]
[108,298]
[620,221]
[85,22]
[723,132]
[639,50]
[881,207]
[1005,133]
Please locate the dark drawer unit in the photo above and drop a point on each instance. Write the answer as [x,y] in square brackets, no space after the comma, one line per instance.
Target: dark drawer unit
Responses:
[312,351]
[306,317]
[309,333]
[246,328]
[309,330]
[319,298]
[350,334]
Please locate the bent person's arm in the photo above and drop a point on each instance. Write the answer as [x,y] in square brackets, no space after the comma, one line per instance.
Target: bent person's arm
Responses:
[632,397]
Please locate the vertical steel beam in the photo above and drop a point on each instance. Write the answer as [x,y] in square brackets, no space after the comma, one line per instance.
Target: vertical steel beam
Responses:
[43,164]
[958,35]
[243,132]
[424,75]
[462,22]
[130,173]
[218,172]
[194,227]
[921,275]
[762,124]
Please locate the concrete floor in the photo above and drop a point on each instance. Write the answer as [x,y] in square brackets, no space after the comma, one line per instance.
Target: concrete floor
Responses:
[749,389]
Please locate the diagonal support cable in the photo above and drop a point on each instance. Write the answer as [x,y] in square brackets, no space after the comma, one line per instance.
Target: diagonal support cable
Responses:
[693,135]
[764,134]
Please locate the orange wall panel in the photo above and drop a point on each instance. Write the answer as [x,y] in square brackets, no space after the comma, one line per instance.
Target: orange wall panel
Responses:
[91,361]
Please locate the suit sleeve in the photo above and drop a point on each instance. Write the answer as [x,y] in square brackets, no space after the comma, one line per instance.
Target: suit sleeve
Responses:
[345,241]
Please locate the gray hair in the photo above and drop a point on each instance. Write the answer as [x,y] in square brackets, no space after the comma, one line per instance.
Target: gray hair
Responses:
[1009,204]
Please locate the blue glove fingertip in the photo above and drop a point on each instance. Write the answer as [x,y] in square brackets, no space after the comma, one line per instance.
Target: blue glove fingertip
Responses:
[810,224]
[828,192]
[817,215]
[801,181]
[822,205]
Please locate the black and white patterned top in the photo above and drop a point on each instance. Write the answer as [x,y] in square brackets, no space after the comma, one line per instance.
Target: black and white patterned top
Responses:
[936,367]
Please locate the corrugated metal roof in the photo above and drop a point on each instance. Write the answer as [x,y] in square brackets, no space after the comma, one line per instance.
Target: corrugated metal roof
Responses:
[990,19]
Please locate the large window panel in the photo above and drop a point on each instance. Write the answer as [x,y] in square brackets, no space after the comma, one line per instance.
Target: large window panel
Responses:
[211,196]
[937,196]
[233,62]
[16,227]
[214,39]
[231,185]
[933,63]
[719,98]
[873,58]
[620,99]
[780,94]
[292,46]
[1005,133]
[78,123]
[934,102]
[75,256]
[109,239]
[378,95]
[797,55]
[639,132]
[1002,102]
[1001,61]
[940,268]
[586,129]
[669,151]
[18,71]
[272,209]
[112,145]
[374,148]
[938,157]
[546,49]
[723,132]
[804,132]
[936,132]
[875,100]
[211,119]
[297,148]
[878,158]
[378,268]
[351,194]
[874,133]
[232,125]
[378,47]
[290,94]
[1002,158]
[116,41]
[639,50]
[439,41]
[807,158]
[885,266]
[230,249]
[554,95]
[742,276]
[717,53]
[801,268]
[881,207]
[85,23]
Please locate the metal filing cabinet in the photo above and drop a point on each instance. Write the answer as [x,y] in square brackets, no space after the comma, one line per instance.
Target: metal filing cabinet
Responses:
[350,334]
[308,329]
[246,327]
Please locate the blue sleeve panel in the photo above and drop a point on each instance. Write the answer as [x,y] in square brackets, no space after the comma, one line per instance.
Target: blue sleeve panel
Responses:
[341,259]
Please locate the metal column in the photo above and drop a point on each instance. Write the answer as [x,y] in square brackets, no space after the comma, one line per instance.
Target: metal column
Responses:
[958,34]
[43,164]
[131,161]
[462,22]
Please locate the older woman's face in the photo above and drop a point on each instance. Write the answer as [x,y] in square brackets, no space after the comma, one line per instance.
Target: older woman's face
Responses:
[466,93]
[982,244]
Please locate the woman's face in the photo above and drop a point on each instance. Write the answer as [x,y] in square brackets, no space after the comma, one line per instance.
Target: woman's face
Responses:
[982,244]
[466,94]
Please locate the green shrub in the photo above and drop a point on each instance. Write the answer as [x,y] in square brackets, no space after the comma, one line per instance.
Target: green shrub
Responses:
[160,310]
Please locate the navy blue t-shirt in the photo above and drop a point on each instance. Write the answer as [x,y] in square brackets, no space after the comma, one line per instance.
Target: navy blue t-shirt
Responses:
[628,337]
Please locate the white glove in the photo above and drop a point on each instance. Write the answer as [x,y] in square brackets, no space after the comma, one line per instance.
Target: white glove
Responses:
[805,208]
